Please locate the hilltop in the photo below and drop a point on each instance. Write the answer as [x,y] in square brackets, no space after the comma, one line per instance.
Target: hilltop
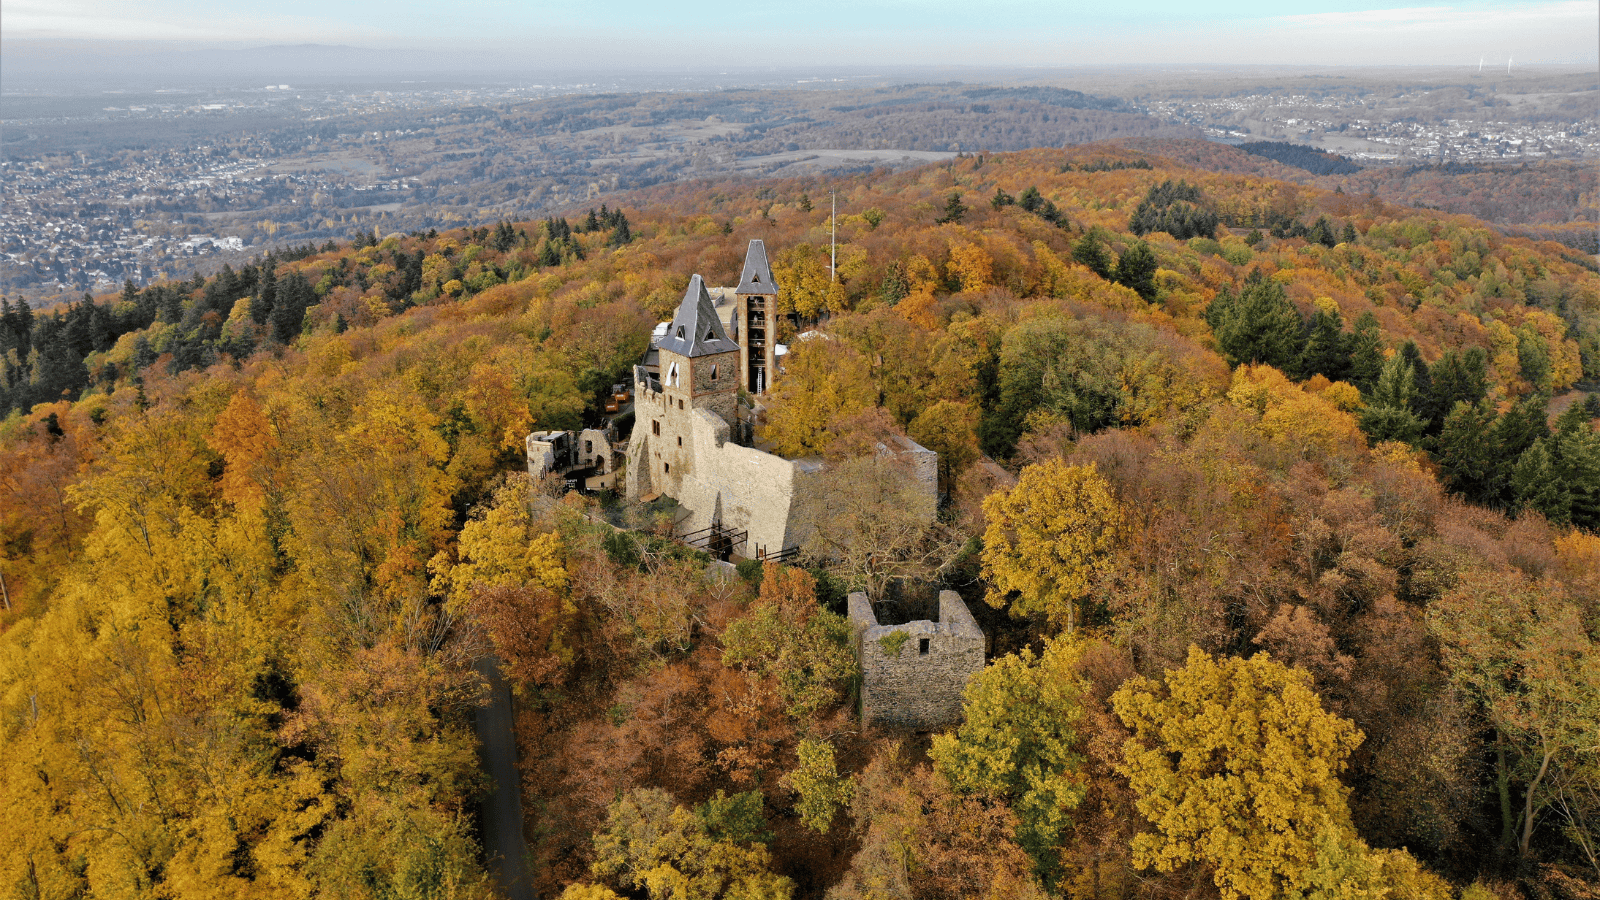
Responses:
[256,530]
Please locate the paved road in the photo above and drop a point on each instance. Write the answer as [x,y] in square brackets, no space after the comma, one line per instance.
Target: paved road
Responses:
[503,843]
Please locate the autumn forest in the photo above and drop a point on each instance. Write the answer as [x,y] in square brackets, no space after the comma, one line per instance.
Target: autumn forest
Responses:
[1278,504]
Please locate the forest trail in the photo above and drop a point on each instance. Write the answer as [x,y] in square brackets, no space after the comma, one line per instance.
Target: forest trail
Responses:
[501,807]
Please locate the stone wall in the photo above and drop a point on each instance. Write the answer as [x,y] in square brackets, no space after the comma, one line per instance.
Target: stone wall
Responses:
[924,466]
[919,686]
[742,488]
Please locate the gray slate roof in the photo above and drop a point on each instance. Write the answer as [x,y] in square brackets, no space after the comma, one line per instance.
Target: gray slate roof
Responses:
[696,330]
[757,277]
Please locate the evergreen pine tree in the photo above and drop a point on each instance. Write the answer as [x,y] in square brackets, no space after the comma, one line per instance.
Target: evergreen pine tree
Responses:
[1327,350]
[288,314]
[22,326]
[1575,451]
[1257,325]
[1001,198]
[1137,270]
[1366,352]
[8,338]
[622,235]
[1522,426]
[1388,415]
[57,371]
[1456,378]
[1535,485]
[1466,453]
[1090,253]
[267,296]
[954,209]
[1421,376]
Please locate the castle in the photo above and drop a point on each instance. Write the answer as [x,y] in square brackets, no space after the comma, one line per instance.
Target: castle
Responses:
[691,428]
[697,395]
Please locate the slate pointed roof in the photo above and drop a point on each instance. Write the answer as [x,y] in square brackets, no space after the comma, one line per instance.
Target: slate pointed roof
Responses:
[696,329]
[757,277]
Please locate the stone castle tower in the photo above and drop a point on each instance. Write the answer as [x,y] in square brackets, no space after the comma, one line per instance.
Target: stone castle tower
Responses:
[687,420]
[755,310]
[697,368]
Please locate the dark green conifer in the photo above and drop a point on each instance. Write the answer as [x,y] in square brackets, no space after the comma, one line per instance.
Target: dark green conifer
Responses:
[1327,350]
[1388,415]
[1466,452]
[1535,485]
[1366,353]
[954,209]
[1090,253]
[1575,455]
[1257,324]
[1137,270]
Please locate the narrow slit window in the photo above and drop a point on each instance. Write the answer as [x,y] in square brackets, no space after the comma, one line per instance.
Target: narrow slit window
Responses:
[666,467]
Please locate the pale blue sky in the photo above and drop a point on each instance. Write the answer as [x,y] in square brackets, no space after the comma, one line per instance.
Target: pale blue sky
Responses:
[713,33]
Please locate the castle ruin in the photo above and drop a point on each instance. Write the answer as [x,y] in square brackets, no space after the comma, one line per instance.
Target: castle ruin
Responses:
[913,675]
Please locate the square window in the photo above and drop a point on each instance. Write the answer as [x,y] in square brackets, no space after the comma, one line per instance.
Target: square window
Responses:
[655,426]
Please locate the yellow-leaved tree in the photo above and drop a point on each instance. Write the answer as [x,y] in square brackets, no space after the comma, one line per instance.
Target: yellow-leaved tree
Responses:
[1236,765]
[1047,538]
[1020,743]
[824,382]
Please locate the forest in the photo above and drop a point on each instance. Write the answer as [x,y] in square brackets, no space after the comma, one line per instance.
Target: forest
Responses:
[1317,162]
[1283,532]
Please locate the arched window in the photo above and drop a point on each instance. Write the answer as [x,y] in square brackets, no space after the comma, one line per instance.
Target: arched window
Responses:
[713,372]
[672,375]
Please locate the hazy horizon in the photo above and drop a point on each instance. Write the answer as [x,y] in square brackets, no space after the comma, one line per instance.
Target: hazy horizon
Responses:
[713,34]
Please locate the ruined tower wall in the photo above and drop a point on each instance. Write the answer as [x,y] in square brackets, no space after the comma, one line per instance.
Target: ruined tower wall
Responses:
[919,685]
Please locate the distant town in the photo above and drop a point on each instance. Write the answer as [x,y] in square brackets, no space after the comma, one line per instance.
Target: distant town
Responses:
[158,185]
[1347,126]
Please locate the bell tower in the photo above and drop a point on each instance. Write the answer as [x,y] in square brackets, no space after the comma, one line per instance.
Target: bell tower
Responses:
[756,306]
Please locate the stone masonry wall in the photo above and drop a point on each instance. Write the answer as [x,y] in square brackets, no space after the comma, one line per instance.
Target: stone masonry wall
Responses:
[743,488]
[921,686]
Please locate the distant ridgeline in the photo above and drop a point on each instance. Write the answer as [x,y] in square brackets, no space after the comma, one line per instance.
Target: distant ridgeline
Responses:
[1317,162]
